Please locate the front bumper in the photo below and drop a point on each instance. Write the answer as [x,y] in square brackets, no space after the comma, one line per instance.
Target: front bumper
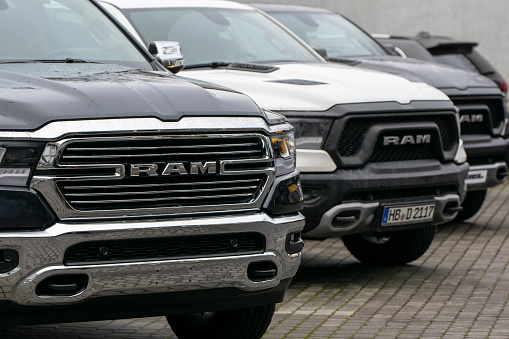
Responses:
[488,158]
[329,196]
[41,255]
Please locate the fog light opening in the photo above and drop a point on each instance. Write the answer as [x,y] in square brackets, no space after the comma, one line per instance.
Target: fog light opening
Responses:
[345,218]
[502,174]
[261,271]
[62,285]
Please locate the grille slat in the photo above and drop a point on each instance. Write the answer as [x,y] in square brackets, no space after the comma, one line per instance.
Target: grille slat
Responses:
[178,198]
[161,191]
[113,156]
[134,148]
[159,185]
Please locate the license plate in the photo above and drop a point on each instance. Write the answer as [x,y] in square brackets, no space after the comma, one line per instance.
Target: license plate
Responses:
[476,177]
[412,214]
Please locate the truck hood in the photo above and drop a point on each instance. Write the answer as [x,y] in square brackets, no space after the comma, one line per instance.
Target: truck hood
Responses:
[32,95]
[315,86]
[438,75]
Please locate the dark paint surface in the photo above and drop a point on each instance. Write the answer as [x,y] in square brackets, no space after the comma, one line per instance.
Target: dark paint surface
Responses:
[435,74]
[34,94]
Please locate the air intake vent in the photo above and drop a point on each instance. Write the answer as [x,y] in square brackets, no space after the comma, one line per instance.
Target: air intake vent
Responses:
[148,249]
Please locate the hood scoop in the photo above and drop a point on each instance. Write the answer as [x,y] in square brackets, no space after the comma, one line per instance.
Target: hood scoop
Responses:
[252,67]
[300,82]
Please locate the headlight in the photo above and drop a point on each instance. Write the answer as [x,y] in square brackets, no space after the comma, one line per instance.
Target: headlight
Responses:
[283,145]
[310,133]
[17,161]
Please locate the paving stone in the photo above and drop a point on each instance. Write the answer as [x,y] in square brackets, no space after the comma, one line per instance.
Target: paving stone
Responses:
[457,289]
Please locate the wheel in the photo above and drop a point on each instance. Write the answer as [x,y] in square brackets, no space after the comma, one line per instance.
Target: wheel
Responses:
[245,323]
[471,205]
[391,249]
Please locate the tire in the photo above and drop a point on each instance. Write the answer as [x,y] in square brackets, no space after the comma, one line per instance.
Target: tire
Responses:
[471,205]
[245,323]
[394,249]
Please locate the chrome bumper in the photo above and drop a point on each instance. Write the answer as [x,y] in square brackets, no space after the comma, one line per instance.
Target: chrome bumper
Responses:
[41,256]
[485,176]
[366,213]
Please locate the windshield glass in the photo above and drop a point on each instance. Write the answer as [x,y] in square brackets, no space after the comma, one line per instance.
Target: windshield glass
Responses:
[219,35]
[331,32]
[62,30]
[456,60]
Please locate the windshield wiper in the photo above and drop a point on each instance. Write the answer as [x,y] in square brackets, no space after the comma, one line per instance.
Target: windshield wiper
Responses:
[350,62]
[51,61]
[214,64]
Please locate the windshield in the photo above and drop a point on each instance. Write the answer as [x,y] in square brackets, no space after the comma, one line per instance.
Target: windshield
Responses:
[219,35]
[62,31]
[330,32]
[456,60]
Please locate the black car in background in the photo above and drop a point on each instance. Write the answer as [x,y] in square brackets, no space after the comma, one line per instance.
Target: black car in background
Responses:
[445,50]
[481,103]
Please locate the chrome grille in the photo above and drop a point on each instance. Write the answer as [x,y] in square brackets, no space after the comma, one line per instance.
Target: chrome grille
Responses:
[161,192]
[128,175]
[160,149]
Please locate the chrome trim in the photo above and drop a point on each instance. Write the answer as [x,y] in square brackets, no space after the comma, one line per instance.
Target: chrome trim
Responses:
[491,178]
[42,253]
[47,184]
[367,211]
[109,156]
[61,129]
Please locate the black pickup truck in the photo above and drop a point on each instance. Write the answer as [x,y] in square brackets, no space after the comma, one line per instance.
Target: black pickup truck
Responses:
[127,192]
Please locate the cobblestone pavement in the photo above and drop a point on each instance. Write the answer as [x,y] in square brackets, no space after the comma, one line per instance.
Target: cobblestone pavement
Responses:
[458,289]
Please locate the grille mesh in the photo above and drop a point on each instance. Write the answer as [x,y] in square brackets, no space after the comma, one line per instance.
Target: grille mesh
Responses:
[492,110]
[355,130]
[146,249]
[402,153]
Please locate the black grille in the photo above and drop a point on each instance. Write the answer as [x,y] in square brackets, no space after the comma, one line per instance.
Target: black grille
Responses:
[355,130]
[148,249]
[203,187]
[402,152]
[492,111]
[400,193]
[474,128]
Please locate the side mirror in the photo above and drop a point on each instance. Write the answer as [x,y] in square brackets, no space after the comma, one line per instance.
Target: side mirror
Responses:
[168,53]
